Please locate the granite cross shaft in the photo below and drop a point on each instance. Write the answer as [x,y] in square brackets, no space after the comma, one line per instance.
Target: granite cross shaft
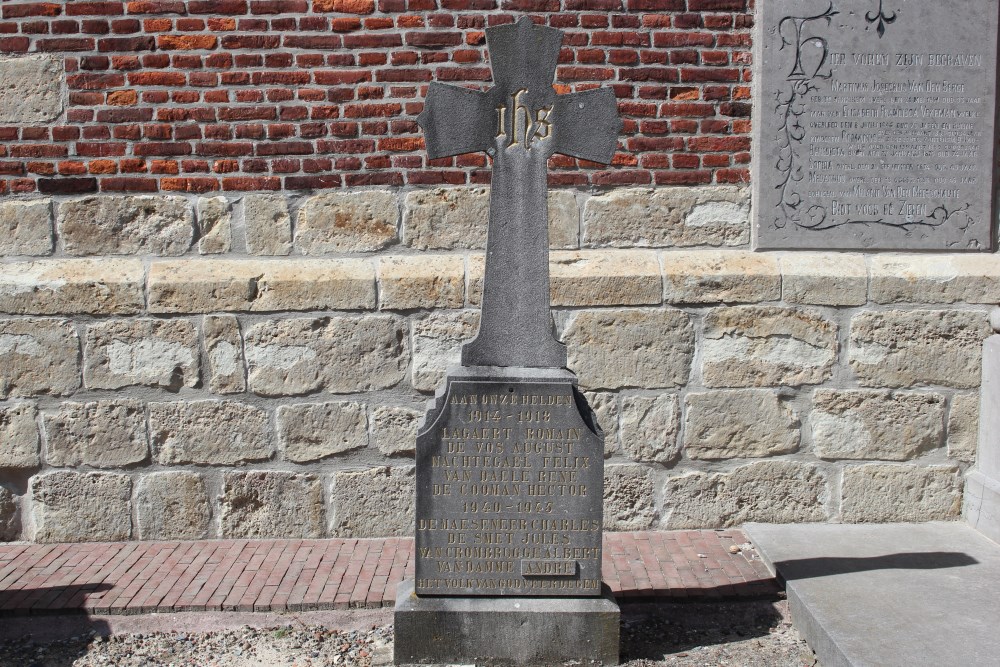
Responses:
[520,122]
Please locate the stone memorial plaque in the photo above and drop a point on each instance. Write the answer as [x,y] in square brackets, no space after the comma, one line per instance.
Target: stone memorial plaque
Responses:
[874,124]
[509,490]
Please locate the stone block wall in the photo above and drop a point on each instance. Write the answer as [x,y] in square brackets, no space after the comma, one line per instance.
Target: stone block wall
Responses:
[185,366]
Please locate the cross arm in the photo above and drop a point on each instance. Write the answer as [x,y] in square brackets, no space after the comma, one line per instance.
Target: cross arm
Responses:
[586,125]
[452,121]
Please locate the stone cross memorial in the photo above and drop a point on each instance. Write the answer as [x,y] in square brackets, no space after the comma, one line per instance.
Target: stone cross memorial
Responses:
[510,459]
[874,124]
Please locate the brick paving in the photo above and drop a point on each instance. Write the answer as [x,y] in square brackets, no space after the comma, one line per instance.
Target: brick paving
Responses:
[306,575]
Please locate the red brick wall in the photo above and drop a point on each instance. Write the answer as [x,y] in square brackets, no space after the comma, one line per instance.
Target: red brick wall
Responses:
[235,95]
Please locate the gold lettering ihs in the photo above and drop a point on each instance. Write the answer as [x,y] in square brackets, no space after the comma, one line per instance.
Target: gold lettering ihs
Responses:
[526,128]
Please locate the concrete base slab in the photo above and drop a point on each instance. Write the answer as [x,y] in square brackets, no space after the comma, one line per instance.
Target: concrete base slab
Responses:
[982,504]
[504,632]
[888,594]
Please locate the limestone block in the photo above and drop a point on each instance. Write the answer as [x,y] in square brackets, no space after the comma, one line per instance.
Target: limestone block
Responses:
[72,287]
[337,354]
[172,506]
[264,504]
[313,431]
[605,278]
[762,346]
[727,276]
[738,424]
[205,286]
[81,507]
[362,221]
[141,352]
[209,432]
[763,491]
[437,344]
[394,429]
[100,434]
[268,225]
[421,281]
[605,407]
[628,497]
[932,278]
[25,226]
[666,217]
[224,350]
[879,425]
[10,524]
[649,428]
[963,428]
[885,492]
[455,218]
[376,502]
[38,356]
[19,436]
[126,225]
[215,225]
[898,348]
[31,89]
[824,279]
[630,347]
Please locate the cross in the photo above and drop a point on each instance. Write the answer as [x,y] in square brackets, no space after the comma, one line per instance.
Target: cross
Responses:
[520,122]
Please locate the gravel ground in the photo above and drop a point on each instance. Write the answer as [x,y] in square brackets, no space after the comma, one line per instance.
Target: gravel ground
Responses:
[750,634]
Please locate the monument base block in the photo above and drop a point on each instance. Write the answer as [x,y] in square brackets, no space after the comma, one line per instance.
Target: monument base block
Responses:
[982,504]
[504,632]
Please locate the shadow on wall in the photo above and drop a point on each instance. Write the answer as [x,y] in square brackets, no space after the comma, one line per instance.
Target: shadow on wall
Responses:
[810,568]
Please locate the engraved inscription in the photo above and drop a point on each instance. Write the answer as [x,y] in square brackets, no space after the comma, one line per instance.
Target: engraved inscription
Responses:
[548,568]
[526,127]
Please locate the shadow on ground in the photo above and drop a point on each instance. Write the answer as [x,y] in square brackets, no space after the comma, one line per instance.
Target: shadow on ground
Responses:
[810,568]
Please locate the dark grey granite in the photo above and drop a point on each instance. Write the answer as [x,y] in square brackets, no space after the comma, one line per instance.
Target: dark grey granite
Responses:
[520,122]
[505,632]
[510,472]
[874,124]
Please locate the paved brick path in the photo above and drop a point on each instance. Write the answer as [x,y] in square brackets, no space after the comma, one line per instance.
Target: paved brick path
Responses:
[304,575]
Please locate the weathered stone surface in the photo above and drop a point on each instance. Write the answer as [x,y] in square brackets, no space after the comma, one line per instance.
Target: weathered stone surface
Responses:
[963,428]
[649,428]
[172,506]
[126,225]
[761,346]
[313,431]
[824,279]
[336,354]
[362,221]
[605,407]
[72,286]
[709,276]
[630,347]
[437,342]
[453,218]
[209,432]
[935,279]
[262,504]
[25,226]
[424,281]
[373,503]
[142,352]
[665,217]
[628,497]
[764,491]
[205,286]
[38,356]
[10,524]
[19,436]
[884,492]
[224,350]
[215,225]
[31,89]
[898,348]
[394,429]
[100,434]
[875,424]
[267,224]
[81,507]
[738,424]
[605,278]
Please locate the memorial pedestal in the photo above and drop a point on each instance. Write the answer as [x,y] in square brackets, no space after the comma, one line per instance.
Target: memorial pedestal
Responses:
[504,632]
[982,486]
